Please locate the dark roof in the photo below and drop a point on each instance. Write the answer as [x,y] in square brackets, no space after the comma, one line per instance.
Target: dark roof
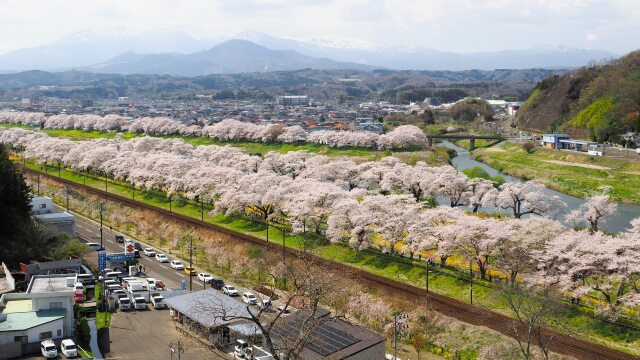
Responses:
[208,307]
[329,339]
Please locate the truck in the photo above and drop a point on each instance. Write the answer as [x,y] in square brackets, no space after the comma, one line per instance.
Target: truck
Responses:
[137,288]
[158,301]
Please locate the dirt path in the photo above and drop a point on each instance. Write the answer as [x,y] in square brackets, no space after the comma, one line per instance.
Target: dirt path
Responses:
[562,343]
[587,166]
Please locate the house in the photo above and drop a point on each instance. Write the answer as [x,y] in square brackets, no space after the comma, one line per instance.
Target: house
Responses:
[52,267]
[56,222]
[45,311]
[552,141]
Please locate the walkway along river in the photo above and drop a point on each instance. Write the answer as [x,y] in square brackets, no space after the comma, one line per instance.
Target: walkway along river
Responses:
[616,223]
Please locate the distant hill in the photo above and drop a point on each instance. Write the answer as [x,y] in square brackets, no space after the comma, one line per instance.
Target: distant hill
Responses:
[229,57]
[596,102]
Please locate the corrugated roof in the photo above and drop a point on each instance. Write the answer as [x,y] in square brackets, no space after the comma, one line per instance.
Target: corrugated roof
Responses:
[210,308]
[27,320]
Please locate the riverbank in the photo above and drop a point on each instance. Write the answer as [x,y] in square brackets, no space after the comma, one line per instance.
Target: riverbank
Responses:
[571,173]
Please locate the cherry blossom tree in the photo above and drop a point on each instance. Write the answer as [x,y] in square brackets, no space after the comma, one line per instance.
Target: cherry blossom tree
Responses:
[592,213]
[528,197]
[403,137]
[482,192]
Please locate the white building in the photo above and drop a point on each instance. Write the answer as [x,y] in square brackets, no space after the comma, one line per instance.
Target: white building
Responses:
[56,222]
[45,311]
[288,100]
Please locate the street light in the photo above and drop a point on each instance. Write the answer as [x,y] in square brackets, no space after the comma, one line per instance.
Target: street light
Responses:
[471,282]
[190,262]
[67,189]
[101,210]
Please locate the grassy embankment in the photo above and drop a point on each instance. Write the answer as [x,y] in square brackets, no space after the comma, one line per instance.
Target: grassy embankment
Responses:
[434,156]
[571,173]
[449,281]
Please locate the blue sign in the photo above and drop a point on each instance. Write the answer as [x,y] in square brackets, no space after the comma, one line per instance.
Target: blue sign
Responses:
[103,258]
[183,284]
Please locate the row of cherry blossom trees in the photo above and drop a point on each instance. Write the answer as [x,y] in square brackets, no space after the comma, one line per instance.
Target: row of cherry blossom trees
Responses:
[377,204]
[407,136]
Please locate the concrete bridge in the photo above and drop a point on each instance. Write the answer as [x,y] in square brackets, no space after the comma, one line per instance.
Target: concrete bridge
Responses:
[472,139]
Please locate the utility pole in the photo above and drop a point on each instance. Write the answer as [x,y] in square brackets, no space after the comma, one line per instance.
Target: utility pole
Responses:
[101,210]
[427,277]
[67,189]
[133,191]
[58,169]
[38,184]
[190,262]
[471,282]
[170,203]
[401,315]
[201,210]
[283,245]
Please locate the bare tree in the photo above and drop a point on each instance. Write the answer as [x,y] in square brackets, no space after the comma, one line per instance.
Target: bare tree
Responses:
[532,311]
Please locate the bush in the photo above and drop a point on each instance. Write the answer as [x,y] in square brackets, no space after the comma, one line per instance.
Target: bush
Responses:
[528,147]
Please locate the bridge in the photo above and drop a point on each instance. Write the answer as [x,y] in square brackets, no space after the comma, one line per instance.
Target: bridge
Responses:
[472,139]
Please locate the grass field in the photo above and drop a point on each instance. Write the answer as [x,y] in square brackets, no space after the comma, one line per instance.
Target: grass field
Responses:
[433,156]
[571,173]
[449,281]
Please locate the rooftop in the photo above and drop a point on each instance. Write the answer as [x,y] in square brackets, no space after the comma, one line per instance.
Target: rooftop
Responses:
[60,217]
[51,283]
[208,307]
[20,321]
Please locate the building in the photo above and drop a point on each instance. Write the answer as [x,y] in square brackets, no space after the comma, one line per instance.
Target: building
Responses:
[552,141]
[45,311]
[288,100]
[209,314]
[53,267]
[56,222]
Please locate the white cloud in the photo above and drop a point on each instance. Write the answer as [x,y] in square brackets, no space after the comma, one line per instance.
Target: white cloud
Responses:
[455,25]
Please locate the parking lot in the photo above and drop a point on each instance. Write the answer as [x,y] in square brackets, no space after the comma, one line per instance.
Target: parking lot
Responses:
[148,334]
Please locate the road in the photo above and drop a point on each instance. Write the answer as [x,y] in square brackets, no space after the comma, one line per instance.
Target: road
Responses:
[89,231]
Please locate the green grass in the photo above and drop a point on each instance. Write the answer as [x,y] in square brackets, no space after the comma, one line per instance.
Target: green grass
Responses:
[103,319]
[449,281]
[573,176]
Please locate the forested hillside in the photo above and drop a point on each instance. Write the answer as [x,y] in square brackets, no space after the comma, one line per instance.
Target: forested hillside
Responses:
[597,102]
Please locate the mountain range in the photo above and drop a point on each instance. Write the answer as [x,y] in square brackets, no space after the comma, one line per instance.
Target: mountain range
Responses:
[176,53]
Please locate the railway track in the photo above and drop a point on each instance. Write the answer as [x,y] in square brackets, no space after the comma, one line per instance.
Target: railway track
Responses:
[561,343]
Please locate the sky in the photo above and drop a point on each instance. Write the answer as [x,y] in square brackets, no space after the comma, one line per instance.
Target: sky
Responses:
[448,25]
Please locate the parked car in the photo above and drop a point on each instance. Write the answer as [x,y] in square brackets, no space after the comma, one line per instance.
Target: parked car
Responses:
[162,258]
[86,279]
[118,292]
[216,283]
[68,348]
[49,349]
[95,246]
[242,349]
[78,297]
[139,303]
[136,253]
[249,298]
[177,264]
[189,271]
[149,252]
[229,290]
[124,303]
[120,239]
[158,301]
[205,277]
[78,287]
[265,303]
[137,246]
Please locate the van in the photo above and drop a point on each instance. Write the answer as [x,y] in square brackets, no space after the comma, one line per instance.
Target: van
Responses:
[124,303]
[158,301]
[86,279]
[139,303]
[114,275]
[68,348]
[242,349]
[111,288]
[48,349]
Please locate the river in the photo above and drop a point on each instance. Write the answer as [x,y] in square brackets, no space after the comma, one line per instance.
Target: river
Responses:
[616,223]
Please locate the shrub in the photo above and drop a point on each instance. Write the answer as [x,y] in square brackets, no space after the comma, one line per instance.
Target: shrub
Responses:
[528,147]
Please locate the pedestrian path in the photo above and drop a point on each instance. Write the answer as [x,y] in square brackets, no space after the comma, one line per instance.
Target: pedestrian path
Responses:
[93,343]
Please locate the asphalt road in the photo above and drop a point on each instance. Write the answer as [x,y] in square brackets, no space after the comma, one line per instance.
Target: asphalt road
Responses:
[89,231]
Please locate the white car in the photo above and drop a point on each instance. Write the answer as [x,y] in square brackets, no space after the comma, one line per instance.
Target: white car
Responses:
[124,303]
[68,348]
[95,246]
[139,303]
[205,277]
[162,258]
[229,290]
[48,349]
[265,303]
[149,252]
[177,264]
[158,301]
[285,310]
[78,287]
[249,298]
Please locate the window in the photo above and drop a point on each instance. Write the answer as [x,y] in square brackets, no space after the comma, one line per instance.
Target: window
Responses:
[55,305]
[46,335]
[43,206]
[59,332]
[21,339]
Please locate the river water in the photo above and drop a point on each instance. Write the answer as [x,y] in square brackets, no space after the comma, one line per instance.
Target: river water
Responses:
[616,223]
